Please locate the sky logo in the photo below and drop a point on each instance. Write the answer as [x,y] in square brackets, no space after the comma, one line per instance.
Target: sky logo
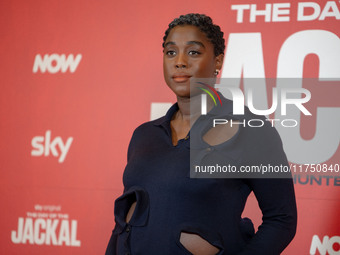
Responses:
[45,145]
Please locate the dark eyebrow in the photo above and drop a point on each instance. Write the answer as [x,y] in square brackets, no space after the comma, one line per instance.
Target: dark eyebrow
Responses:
[196,42]
[188,43]
[169,43]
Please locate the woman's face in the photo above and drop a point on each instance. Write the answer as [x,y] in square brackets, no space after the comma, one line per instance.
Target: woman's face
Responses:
[188,54]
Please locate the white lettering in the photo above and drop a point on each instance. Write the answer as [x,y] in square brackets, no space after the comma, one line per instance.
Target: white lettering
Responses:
[240,8]
[325,246]
[255,120]
[44,231]
[54,63]
[74,241]
[16,237]
[244,58]
[262,112]
[50,146]
[295,123]
[50,231]
[331,10]
[301,11]
[254,12]
[326,46]
[278,12]
[39,148]
[297,102]
[238,100]
[64,233]
[219,122]
[28,231]
[38,225]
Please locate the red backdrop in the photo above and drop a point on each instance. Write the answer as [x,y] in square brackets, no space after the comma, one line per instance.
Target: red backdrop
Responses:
[79,76]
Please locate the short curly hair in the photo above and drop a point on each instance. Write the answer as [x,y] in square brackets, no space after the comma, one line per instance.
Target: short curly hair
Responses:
[205,24]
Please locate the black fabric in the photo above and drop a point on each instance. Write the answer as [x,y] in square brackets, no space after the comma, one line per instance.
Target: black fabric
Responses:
[170,202]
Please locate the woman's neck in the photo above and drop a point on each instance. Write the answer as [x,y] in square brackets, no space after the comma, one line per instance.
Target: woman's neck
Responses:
[190,108]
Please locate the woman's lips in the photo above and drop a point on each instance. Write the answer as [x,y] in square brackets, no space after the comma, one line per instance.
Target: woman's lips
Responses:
[181,78]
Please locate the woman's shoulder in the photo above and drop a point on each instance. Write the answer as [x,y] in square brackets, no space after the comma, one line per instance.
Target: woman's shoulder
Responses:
[149,125]
[152,125]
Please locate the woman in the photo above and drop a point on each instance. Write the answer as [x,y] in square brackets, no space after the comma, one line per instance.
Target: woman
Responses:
[162,209]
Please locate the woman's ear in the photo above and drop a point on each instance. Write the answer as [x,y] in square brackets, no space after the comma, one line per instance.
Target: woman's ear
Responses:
[219,61]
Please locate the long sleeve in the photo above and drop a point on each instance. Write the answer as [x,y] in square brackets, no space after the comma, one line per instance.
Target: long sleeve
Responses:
[277,202]
[276,196]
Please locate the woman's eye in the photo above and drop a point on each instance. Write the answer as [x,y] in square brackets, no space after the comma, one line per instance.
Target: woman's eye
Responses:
[194,53]
[171,53]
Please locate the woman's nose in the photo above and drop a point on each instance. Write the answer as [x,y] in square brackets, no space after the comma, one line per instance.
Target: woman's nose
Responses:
[181,61]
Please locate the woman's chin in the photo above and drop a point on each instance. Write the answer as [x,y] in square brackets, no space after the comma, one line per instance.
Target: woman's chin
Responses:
[181,91]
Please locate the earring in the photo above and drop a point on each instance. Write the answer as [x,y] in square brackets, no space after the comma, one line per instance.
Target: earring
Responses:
[216,72]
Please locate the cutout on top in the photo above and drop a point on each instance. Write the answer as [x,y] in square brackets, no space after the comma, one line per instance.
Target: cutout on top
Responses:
[197,245]
[220,134]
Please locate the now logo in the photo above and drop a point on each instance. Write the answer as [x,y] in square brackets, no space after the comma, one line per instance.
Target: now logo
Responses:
[55,63]
[43,145]
[327,246]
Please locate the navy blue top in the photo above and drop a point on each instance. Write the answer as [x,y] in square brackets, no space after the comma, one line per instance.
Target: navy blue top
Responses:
[170,202]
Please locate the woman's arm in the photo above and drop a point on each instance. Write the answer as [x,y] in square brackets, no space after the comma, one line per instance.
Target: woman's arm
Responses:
[275,195]
[276,199]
